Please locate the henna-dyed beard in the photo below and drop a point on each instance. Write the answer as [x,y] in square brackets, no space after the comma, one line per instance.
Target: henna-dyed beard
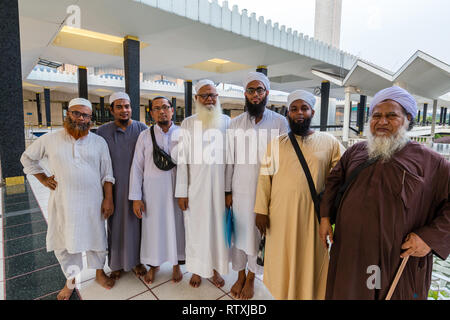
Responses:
[76,130]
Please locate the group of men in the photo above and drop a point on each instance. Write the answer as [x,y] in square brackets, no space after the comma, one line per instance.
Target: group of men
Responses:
[175,212]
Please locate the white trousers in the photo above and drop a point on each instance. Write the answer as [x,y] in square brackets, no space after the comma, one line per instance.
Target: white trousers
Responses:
[72,263]
[240,260]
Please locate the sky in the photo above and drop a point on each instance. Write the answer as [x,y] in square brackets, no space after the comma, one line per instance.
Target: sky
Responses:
[384,32]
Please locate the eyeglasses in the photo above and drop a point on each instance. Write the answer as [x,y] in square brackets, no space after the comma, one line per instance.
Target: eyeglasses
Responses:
[164,107]
[206,96]
[78,114]
[259,90]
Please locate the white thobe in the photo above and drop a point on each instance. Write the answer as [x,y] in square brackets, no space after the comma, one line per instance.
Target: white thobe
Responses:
[242,174]
[80,167]
[201,179]
[162,237]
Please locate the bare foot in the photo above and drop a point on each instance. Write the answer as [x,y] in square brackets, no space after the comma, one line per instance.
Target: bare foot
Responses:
[65,292]
[140,270]
[150,275]
[177,275]
[248,290]
[195,281]
[115,275]
[238,285]
[103,280]
[218,280]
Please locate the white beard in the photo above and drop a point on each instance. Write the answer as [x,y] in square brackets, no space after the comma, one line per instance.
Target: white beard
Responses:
[385,147]
[210,115]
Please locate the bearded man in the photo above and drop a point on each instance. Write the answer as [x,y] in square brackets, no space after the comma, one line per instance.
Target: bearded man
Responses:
[124,228]
[400,202]
[81,195]
[200,186]
[295,265]
[260,125]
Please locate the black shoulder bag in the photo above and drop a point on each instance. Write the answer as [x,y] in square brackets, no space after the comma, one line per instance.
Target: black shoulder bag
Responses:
[162,160]
[317,198]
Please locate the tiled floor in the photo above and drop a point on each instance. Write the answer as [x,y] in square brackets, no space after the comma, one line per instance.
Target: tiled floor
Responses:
[31,272]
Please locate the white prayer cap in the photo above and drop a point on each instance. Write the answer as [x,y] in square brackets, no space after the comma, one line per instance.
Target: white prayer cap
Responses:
[80,102]
[118,95]
[399,95]
[202,83]
[303,95]
[252,76]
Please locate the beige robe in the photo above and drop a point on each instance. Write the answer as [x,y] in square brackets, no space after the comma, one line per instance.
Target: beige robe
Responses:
[296,263]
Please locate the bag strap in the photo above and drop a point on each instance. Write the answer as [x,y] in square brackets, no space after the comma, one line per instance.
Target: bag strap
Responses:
[302,160]
[152,131]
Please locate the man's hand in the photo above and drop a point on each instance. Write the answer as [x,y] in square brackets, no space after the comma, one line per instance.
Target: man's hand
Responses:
[138,208]
[183,203]
[262,223]
[325,230]
[228,200]
[49,182]
[107,208]
[414,246]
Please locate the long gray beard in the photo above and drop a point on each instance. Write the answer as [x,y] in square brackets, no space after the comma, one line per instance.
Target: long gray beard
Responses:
[385,147]
[210,118]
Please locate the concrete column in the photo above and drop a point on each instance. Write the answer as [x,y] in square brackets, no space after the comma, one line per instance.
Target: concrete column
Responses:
[187,98]
[444,118]
[425,107]
[38,107]
[347,110]
[82,82]
[418,117]
[360,113]
[441,114]
[174,105]
[324,103]
[48,114]
[262,69]
[12,135]
[149,108]
[131,60]
[433,119]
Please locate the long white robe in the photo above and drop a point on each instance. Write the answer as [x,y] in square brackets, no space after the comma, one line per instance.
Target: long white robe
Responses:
[162,236]
[242,174]
[201,179]
[80,167]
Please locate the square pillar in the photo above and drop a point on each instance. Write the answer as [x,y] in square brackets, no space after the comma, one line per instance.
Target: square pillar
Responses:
[187,98]
[131,61]
[82,82]
[324,103]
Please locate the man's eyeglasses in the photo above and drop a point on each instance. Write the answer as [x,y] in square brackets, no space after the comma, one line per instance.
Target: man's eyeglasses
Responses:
[259,90]
[206,96]
[78,114]
[164,107]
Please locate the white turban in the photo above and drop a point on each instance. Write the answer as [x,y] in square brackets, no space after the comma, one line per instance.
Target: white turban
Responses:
[118,95]
[80,102]
[252,76]
[303,95]
[202,83]
[399,95]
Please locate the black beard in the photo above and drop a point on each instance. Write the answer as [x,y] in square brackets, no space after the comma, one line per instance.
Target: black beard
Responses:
[256,110]
[163,123]
[124,122]
[300,129]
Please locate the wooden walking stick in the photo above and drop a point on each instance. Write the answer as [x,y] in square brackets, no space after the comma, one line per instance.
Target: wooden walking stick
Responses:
[397,278]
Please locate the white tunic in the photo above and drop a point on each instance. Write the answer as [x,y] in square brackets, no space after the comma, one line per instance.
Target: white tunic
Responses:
[162,237]
[80,167]
[203,183]
[242,176]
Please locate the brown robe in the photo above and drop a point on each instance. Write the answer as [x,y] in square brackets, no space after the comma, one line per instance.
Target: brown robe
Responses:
[386,202]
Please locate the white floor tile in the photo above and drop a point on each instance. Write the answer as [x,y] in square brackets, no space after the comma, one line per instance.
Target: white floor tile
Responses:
[226,297]
[145,296]
[163,275]
[230,279]
[2,290]
[261,292]
[128,286]
[184,291]
[2,271]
